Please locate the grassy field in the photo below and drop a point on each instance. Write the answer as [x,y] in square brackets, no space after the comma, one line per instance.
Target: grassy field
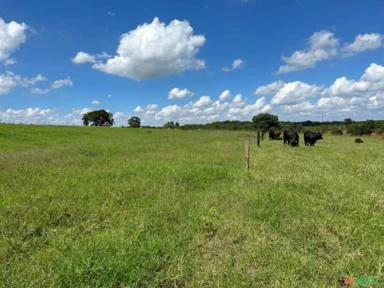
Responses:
[113,207]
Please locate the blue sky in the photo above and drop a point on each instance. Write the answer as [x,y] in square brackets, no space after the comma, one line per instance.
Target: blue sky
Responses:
[191,61]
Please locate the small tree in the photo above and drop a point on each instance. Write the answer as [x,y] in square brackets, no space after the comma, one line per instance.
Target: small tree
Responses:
[265,121]
[98,118]
[348,121]
[134,122]
[170,125]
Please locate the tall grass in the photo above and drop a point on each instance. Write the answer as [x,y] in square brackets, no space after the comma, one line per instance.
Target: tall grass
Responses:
[99,207]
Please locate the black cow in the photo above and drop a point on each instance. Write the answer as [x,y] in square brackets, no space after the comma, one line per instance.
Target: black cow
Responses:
[274,134]
[359,140]
[310,138]
[291,138]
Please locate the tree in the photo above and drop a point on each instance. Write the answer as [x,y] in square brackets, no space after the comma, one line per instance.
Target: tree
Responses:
[170,125]
[265,121]
[348,121]
[98,118]
[134,122]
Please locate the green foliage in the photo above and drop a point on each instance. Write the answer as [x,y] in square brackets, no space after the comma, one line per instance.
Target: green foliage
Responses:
[322,127]
[210,221]
[134,122]
[223,125]
[362,128]
[98,118]
[348,121]
[265,121]
[171,125]
[336,131]
[78,212]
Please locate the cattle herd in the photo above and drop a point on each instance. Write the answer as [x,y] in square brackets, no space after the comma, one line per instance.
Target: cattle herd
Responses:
[292,137]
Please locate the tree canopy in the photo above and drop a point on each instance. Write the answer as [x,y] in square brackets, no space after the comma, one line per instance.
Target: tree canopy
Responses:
[265,121]
[171,125]
[98,118]
[134,122]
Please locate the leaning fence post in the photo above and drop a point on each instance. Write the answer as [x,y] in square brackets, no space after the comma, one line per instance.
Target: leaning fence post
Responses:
[247,146]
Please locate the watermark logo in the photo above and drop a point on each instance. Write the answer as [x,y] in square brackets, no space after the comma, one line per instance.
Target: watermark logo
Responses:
[366,281]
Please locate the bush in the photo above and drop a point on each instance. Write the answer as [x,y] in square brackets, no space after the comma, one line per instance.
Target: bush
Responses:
[336,131]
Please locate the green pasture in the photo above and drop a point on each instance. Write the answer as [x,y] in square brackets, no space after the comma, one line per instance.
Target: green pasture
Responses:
[119,207]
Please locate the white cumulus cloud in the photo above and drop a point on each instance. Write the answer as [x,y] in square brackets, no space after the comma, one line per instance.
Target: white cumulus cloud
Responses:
[225,95]
[294,92]
[10,80]
[236,64]
[152,50]
[364,42]
[322,45]
[343,95]
[177,93]
[82,57]
[203,101]
[12,35]
[269,89]
[33,115]
[203,110]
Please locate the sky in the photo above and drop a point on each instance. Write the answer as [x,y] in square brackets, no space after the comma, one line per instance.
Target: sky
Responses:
[189,61]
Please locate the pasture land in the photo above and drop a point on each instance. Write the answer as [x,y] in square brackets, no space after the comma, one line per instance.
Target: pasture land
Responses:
[113,207]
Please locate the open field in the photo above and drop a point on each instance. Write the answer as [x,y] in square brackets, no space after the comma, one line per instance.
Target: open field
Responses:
[106,207]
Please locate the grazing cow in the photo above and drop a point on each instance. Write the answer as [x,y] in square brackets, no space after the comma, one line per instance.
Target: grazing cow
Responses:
[359,140]
[291,138]
[274,134]
[310,138]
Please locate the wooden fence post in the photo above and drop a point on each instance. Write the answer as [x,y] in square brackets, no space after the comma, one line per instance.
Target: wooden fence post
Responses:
[247,146]
[258,138]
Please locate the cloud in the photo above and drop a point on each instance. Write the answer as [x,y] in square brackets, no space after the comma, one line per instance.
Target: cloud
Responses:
[205,109]
[177,93]
[96,102]
[12,35]
[138,109]
[225,95]
[343,95]
[152,107]
[236,64]
[364,42]
[39,91]
[203,101]
[29,115]
[61,83]
[322,45]
[54,85]
[270,88]
[82,57]
[10,61]
[294,92]
[10,80]
[152,50]
[238,100]
[343,87]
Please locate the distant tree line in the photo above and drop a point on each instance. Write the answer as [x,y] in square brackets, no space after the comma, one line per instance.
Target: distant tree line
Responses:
[262,122]
[351,127]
